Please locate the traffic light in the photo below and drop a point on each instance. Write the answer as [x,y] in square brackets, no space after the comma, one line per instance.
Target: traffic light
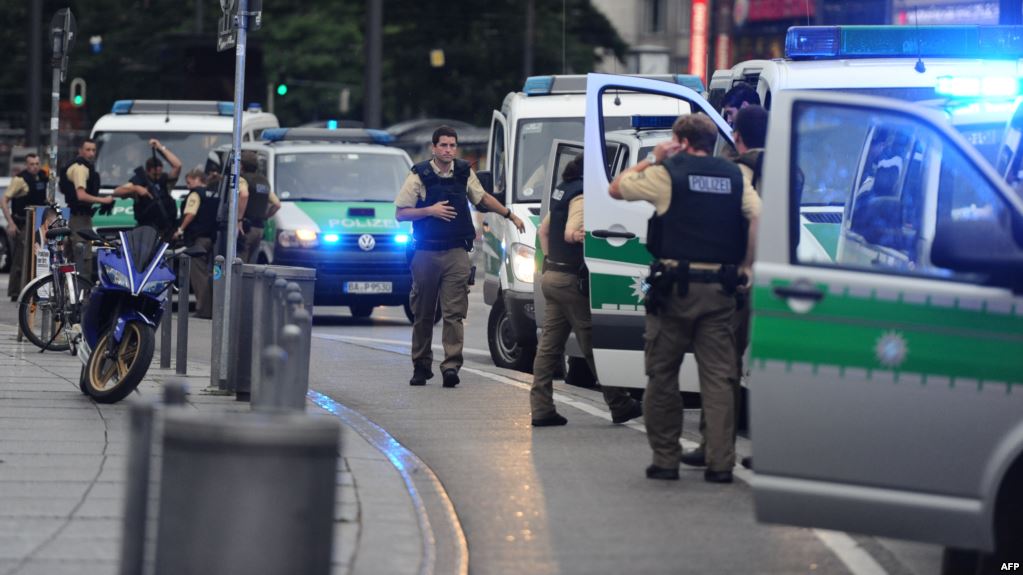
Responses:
[78,92]
[282,89]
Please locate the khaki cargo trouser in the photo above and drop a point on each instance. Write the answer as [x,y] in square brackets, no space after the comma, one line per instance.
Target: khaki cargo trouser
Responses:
[701,321]
[443,275]
[199,277]
[567,310]
[81,222]
[248,245]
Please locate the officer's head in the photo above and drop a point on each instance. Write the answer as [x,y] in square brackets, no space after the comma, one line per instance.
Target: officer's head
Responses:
[445,144]
[196,178]
[696,133]
[32,163]
[154,167]
[750,128]
[87,149]
[249,162]
[740,96]
[573,170]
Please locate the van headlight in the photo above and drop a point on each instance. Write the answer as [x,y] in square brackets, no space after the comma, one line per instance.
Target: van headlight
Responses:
[522,262]
[116,276]
[300,238]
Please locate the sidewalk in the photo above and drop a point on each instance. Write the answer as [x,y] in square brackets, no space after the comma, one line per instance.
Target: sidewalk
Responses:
[62,473]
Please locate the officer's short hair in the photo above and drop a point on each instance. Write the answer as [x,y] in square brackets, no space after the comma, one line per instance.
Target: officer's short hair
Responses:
[153,163]
[444,131]
[741,93]
[197,173]
[249,161]
[751,122]
[699,130]
[31,155]
[85,141]
[573,170]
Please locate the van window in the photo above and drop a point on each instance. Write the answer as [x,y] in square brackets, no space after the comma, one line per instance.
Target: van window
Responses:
[497,165]
[119,153]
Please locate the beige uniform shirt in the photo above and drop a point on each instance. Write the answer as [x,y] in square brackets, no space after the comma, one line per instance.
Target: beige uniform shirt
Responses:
[78,175]
[575,215]
[413,189]
[192,204]
[18,188]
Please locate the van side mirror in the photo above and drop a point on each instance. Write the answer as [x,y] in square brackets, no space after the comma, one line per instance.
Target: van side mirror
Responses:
[975,246]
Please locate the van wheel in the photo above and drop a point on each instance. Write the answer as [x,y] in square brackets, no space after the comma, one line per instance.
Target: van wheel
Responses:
[361,311]
[505,350]
[579,373]
[965,562]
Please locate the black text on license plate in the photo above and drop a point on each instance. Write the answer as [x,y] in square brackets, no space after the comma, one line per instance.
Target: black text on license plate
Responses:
[367,287]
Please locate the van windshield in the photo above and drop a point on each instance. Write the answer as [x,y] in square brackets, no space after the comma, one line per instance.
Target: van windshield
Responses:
[119,153]
[339,176]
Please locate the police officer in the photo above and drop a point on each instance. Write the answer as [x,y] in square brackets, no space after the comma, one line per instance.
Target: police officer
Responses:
[79,182]
[28,188]
[702,236]
[435,198]
[565,285]
[256,204]
[198,229]
[151,189]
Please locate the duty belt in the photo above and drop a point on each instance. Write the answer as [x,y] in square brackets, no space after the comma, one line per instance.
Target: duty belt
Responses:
[442,245]
[704,276]
[553,266]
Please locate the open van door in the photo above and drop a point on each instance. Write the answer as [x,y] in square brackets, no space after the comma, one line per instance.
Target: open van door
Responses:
[615,245]
[493,252]
[887,381]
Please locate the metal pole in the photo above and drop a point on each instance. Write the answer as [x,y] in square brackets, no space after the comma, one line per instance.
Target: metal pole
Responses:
[291,343]
[262,323]
[35,73]
[527,42]
[136,500]
[218,319]
[293,302]
[232,221]
[304,322]
[165,334]
[280,290]
[51,189]
[267,395]
[374,69]
[181,361]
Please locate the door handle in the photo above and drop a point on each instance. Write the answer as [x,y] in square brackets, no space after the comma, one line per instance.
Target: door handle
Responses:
[607,234]
[800,291]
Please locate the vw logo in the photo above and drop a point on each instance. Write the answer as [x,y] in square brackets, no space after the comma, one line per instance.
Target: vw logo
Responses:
[366,242]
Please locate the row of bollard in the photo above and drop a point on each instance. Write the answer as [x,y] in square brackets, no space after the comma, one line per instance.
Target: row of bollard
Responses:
[181,345]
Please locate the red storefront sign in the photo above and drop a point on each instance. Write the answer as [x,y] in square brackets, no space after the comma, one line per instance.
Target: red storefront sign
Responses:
[765,10]
[699,38]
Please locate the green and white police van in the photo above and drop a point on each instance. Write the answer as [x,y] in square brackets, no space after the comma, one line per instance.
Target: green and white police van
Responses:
[521,134]
[188,128]
[337,190]
[887,380]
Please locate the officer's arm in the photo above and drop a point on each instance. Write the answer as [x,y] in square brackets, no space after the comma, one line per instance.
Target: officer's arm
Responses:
[243,197]
[545,232]
[128,189]
[5,203]
[275,205]
[173,159]
[497,207]
[79,177]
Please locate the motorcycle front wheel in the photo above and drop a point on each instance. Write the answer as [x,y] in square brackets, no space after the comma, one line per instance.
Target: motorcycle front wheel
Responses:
[115,370]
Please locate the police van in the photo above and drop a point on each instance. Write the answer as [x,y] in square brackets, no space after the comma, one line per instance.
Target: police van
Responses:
[337,213]
[190,129]
[521,134]
[887,393]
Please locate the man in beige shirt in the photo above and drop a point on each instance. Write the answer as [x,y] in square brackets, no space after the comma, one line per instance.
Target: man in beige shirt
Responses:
[435,198]
[703,238]
[79,182]
[28,188]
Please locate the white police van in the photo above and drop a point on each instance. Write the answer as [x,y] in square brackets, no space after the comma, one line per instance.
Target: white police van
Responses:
[887,380]
[521,134]
[190,129]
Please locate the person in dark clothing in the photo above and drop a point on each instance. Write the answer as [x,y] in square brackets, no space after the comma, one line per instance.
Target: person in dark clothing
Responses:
[28,188]
[198,229]
[737,98]
[80,182]
[151,189]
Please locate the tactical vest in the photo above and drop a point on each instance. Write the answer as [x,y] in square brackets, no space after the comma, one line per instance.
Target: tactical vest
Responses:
[159,210]
[434,233]
[560,251]
[259,199]
[204,225]
[36,195]
[754,160]
[71,195]
[704,222]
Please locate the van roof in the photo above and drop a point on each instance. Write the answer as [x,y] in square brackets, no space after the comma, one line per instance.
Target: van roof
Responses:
[574,105]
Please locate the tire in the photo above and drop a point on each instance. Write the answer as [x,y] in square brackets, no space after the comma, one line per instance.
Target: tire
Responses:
[30,313]
[965,562]
[412,317]
[108,380]
[361,311]
[505,350]
[579,373]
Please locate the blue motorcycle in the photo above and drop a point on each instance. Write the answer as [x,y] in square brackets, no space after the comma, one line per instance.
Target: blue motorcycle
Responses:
[122,312]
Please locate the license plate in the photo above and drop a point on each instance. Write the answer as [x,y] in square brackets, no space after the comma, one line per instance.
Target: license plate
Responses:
[368,287]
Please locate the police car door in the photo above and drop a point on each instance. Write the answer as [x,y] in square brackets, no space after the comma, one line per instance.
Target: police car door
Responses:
[493,231]
[562,152]
[615,245]
[887,380]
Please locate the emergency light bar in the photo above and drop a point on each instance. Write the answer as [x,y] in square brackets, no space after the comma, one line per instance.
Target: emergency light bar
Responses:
[653,122]
[196,107]
[977,86]
[576,84]
[978,42]
[341,135]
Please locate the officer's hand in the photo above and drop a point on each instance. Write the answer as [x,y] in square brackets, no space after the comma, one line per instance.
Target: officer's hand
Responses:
[142,192]
[518,223]
[666,149]
[578,236]
[12,230]
[154,143]
[746,279]
[106,200]
[178,234]
[443,211]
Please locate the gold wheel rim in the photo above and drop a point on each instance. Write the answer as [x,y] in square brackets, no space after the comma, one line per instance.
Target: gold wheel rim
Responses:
[108,373]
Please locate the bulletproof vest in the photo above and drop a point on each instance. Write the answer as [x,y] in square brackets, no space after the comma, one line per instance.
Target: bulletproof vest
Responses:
[704,221]
[558,249]
[159,210]
[36,195]
[754,160]
[68,189]
[205,222]
[259,198]
[453,189]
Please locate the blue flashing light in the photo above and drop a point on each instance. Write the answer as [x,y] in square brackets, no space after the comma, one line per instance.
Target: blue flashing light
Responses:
[653,122]
[401,238]
[331,238]
[331,124]
[380,136]
[978,42]
[691,81]
[225,108]
[978,86]
[538,85]
[254,107]
[122,106]
[274,134]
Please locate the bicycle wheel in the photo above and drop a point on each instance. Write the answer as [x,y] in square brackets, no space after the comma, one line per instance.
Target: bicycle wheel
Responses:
[40,314]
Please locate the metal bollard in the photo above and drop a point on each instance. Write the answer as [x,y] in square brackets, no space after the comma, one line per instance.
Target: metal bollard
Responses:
[181,360]
[304,321]
[228,348]
[267,395]
[136,488]
[174,393]
[279,291]
[217,325]
[291,343]
[165,333]
[263,485]
[262,333]
[292,303]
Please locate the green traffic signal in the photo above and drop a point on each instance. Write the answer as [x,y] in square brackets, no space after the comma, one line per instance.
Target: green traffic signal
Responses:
[282,89]
[78,100]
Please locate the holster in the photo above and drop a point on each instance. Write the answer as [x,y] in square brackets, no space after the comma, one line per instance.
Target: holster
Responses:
[729,278]
[582,282]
